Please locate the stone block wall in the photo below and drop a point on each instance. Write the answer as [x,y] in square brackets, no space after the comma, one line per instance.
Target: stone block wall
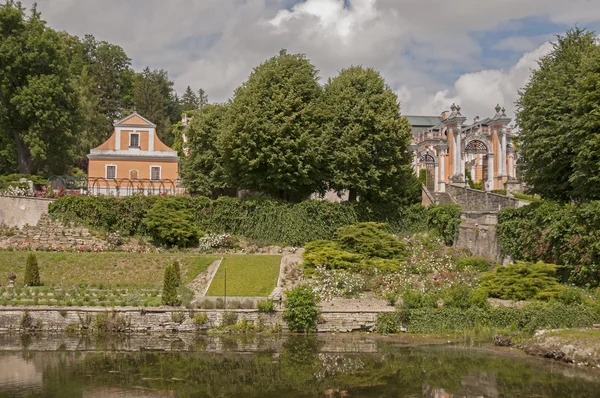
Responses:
[162,319]
[20,211]
[481,240]
[475,200]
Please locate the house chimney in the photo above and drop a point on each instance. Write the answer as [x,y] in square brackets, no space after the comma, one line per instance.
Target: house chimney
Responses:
[444,115]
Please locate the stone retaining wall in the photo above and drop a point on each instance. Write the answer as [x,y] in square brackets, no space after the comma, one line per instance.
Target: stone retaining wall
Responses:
[475,200]
[481,240]
[20,211]
[160,319]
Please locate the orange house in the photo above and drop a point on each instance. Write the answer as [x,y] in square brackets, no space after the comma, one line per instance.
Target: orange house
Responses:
[133,160]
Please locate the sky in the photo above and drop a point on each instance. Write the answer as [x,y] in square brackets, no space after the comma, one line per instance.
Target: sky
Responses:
[432,53]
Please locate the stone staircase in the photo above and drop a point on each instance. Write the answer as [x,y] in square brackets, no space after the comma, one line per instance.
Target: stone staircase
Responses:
[443,198]
[52,234]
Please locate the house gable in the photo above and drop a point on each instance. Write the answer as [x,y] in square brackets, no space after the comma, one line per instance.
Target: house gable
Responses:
[135,119]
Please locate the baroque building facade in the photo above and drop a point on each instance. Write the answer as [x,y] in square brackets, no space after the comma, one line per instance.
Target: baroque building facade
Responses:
[450,151]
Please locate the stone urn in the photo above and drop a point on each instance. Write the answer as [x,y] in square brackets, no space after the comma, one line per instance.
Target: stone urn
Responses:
[11,279]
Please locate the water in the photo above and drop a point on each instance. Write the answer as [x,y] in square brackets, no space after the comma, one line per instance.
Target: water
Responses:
[280,366]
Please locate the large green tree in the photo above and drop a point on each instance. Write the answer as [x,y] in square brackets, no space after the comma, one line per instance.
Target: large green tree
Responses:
[202,169]
[38,103]
[189,101]
[270,141]
[366,137]
[548,112]
[155,99]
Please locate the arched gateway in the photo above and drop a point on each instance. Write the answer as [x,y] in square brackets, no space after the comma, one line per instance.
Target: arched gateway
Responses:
[448,147]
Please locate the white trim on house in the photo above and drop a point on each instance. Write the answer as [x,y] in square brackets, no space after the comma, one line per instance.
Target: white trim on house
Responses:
[151,134]
[159,172]
[121,122]
[106,166]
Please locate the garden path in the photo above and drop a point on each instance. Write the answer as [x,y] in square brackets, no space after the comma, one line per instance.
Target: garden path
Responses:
[199,285]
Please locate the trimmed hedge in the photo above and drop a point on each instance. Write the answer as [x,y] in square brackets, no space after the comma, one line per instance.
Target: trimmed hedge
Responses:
[566,235]
[535,316]
[266,220]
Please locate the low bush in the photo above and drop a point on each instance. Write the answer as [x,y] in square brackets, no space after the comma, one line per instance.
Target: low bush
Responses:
[301,311]
[444,220]
[266,306]
[206,304]
[200,319]
[521,281]
[111,322]
[171,222]
[480,264]
[229,318]
[499,191]
[330,255]
[370,239]
[388,322]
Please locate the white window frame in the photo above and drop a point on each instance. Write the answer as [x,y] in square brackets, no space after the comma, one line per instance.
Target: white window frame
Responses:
[138,174]
[159,172]
[106,166]
[139,139]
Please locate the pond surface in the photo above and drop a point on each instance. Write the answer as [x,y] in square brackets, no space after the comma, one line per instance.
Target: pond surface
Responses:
[277,366]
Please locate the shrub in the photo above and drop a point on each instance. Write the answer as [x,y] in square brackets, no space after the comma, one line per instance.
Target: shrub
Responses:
[370,240]
[229,318]
[111,322]
[247,304]
[444,220]
[330,255]
[206,304]
[170,221]
[388,322]
[177,317]
[417,299]
[301,311]
[572,296]
[169,293]
[480,264]
[266,306]
[499,191]
[32,273]
[521,281]
[328,284]
[464,297]
[200,319]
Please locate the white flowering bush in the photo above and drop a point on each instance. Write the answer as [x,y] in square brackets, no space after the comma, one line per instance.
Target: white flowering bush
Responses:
[216,241]
[336,283]
[17,191]
[114,238]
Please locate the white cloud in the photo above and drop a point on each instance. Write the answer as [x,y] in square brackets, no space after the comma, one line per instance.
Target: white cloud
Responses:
[416,44]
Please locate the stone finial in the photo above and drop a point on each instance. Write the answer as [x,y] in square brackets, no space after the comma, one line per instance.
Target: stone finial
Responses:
[498,109]
[458,109]
[503,111]
[453,107]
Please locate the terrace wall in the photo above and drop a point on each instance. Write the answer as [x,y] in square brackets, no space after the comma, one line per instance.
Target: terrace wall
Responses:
[20,211]
[161,319]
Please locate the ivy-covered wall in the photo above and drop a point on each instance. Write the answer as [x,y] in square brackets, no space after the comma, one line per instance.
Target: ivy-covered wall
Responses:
[568,235]
[270,221]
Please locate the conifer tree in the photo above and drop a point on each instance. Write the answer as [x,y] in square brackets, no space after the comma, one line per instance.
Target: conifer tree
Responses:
[177,274]
[169,294]
[32,273]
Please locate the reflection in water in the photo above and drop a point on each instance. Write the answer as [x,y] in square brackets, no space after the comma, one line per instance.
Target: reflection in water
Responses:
[262,366]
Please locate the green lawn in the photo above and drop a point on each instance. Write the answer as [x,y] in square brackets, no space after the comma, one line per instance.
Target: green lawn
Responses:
[107,270]
[246,276]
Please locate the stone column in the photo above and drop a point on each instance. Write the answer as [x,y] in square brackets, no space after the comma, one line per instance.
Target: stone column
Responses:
[511,170]
[436,178]
[503,155]
[491,171]
[461,157]
[442,171]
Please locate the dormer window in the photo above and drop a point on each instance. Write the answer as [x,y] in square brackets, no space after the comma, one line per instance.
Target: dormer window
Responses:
[134,140]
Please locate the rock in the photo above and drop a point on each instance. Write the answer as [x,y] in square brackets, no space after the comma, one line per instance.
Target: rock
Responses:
[502,341]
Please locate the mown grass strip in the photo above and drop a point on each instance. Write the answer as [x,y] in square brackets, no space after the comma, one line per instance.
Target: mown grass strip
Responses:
[254,276]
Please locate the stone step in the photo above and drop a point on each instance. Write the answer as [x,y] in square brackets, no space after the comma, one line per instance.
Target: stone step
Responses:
[443,198]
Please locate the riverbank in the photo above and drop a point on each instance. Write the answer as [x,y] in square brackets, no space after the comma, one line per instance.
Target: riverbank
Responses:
[576,346]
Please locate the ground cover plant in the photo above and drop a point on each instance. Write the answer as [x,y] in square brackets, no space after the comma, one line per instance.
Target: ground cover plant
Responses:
[246,276]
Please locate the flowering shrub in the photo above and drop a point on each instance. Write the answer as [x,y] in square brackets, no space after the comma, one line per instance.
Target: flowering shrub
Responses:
[216,241]
[17,191]
[114,238]
[328,284]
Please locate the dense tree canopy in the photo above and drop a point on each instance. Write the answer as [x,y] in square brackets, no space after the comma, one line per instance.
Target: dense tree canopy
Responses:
[202,170]
[270,143]
[366,138]
[39,108]
[557,115]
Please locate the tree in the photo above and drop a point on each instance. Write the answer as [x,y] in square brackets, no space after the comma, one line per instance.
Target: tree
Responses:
[365,136]
[38,103]
[270,142]
[177,272]
[32,273]
[546,113]
[202,169]
[169,293]
[202,98]
[154,98]
[189,100]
